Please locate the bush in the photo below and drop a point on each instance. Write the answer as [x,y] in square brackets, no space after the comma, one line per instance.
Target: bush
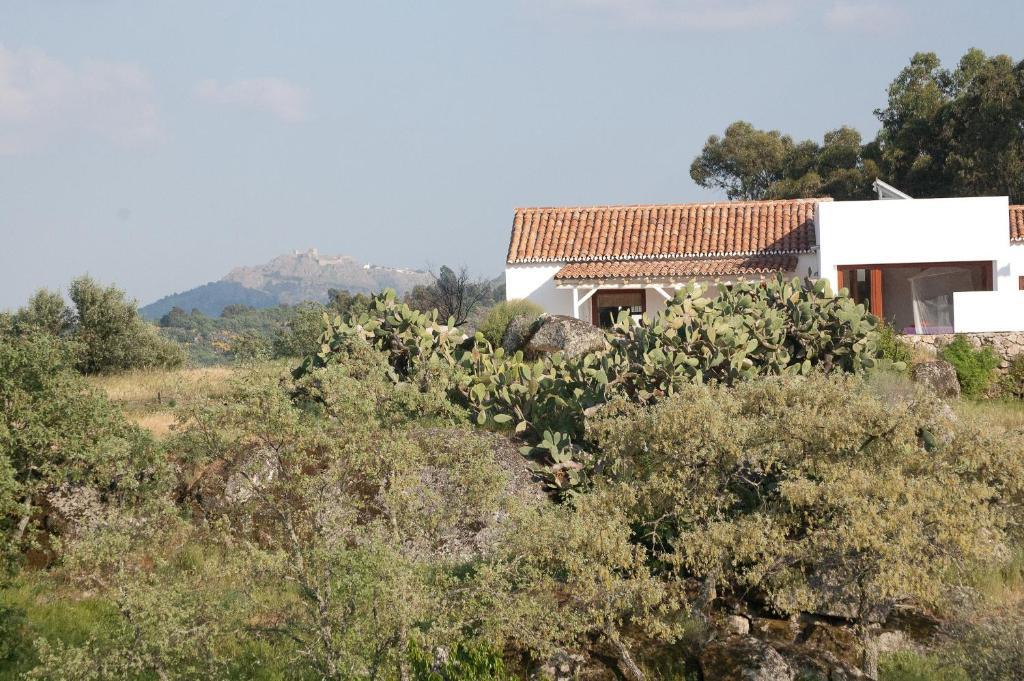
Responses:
[991,648]
[300,336]
[812,495]
[113,336]
[63,446]
[249,346]
[975,368]
[498,317]
[1012,384]
[892,347]
[910,666]
[749,330]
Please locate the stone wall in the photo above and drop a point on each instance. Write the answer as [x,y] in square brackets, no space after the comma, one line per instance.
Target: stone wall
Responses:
[1005,345]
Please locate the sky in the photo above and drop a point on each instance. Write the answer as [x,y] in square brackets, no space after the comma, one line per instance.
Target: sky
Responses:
[157,145]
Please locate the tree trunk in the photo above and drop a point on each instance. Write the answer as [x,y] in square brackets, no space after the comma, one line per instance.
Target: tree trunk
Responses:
[627,665]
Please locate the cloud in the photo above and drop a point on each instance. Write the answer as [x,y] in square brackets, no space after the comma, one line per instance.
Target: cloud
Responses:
[704,15]
[871,17]
[278,97]
[44,101]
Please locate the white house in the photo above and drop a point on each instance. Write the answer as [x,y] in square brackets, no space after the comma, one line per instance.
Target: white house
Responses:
[925,265]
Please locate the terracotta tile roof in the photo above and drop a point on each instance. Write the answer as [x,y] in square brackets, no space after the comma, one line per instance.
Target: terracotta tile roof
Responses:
[1016,223]
[667,231]
[677,269]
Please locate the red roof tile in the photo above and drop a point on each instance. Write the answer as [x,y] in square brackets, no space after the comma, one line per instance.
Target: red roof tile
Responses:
[665,231]
[1016,223]
[677,269]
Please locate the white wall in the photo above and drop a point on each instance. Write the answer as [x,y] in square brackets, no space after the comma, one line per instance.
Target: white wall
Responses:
[918,230]
[536,283]
[988,311]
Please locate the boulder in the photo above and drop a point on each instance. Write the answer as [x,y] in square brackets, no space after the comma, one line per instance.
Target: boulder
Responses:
[743,658]
[567,335]
[737,624]
[835,643]
[939,376]
[517,333]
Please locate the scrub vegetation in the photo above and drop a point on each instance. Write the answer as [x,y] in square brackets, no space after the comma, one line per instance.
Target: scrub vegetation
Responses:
[410,503]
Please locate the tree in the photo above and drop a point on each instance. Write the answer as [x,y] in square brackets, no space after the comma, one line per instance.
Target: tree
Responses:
[300,336]
[745,162]
[47,312]
[752,164]
[943,132]
[112,334]
[452,294]
[342,302]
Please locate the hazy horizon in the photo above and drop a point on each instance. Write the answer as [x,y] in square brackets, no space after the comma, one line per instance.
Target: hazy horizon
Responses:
[159,146]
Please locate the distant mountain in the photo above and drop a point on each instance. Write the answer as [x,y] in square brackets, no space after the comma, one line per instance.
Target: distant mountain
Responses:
[288,279]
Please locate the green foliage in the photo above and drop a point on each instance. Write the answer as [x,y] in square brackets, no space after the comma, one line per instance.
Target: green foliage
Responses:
[975,367]
[249,346]
[911,666]
[341,302]
[464,663]
[498,317]
[112,335]
[892,347]
[751,164]
[1012,384]
[747,330]
[944,132]
[65,452]
[813,494]
[46,312]
[300,336]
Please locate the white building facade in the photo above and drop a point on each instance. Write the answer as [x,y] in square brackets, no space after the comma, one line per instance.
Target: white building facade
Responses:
[926,266]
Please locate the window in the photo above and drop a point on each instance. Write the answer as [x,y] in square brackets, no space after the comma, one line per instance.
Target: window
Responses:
[608,304]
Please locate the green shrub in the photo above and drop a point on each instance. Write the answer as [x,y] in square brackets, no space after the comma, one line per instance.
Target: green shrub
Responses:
[1012,384]
[300,336]
[892,347]
[748,330]
[975,368]
[464,663]
[498,317]
[911,666]
[249,346]
[113,336]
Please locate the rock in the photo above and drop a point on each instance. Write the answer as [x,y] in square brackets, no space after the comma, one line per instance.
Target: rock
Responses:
[249,476]
[833,643]
[743,658]
[558,333]
[775,632]
[562,666]
[517,333]
[939,376]
[737,624]
[892,642]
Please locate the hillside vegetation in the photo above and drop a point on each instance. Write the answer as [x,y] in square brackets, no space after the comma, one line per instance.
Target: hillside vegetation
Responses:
[742,482]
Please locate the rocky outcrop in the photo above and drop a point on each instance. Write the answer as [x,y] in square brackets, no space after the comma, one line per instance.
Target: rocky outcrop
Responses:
[553,333]
[939,376]
[743,658]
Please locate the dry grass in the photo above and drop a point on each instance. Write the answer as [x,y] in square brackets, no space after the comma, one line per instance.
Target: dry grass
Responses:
[1005,413]
[149,398]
